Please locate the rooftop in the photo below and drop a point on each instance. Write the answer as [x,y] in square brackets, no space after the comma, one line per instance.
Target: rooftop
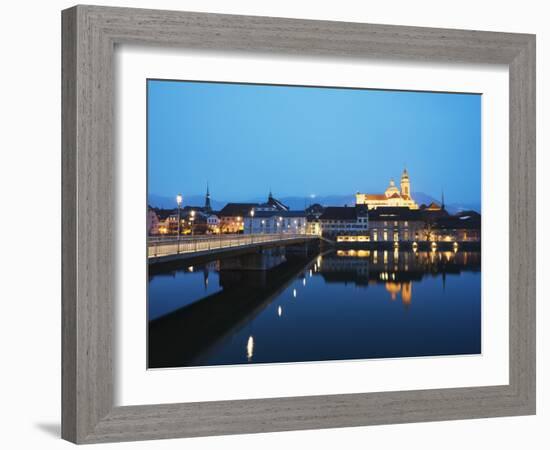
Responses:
[404,213]
[268,214]
[343,213]
[237,209]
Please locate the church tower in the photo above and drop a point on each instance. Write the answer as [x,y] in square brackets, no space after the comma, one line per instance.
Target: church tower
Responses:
[207,205]
[405,184]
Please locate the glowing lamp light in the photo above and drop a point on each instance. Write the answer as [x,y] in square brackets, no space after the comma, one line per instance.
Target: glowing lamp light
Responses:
[179,199]
[250,348]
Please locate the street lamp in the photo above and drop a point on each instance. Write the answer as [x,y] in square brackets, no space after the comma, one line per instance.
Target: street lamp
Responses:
[192,223]
[251,219]
[179,200]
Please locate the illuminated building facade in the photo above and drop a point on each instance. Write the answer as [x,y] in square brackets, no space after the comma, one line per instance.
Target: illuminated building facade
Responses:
[269,222]
[213,223]
[313,213]
[397,224]
[153,222]
[338,221]
[393,196]
[427,224]
[232,216]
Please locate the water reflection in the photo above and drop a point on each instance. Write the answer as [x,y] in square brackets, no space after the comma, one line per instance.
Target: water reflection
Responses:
[250,348]
[400,269]
[207,314]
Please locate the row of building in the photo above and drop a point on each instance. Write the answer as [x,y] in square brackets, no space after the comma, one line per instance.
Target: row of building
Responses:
[390,217]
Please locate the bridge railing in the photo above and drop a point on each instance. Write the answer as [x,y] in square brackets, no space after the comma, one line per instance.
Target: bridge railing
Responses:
[192,244]
[189,237]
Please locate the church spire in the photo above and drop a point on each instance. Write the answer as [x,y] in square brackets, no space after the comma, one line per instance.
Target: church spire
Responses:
[207,205]
[405,184]
[442,199]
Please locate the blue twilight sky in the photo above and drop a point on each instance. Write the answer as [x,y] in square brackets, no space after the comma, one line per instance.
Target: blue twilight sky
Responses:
[244,139]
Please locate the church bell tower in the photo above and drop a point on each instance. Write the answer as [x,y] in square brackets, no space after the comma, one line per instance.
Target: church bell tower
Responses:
[207,205]
[405,184]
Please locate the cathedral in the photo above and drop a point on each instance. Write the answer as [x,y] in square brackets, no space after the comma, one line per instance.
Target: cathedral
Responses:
[393,196]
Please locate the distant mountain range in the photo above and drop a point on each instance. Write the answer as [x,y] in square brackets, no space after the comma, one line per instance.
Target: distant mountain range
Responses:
[299,203]
[159,201]
[453,208]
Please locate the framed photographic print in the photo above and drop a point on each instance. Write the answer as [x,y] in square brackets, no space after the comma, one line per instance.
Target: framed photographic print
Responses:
[268,222]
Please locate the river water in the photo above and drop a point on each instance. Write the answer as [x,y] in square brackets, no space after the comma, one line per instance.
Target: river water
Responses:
[341,305]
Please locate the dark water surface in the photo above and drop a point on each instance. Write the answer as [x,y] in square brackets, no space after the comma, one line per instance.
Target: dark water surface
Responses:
[346,304]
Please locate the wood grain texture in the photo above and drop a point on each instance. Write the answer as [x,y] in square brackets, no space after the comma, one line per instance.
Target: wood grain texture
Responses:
[89,36]
[68,226]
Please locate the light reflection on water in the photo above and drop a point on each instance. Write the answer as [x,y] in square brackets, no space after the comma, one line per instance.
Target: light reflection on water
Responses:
[347,304]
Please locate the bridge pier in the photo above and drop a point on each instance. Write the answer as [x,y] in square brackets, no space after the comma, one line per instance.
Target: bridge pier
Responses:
[262,259]
[304,249]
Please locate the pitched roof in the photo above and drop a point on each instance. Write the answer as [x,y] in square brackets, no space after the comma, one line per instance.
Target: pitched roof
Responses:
[339,213]
[237,209]
[469,212]
[404,213]
[433,205]
[268,214]
[394,213]
[277,204]
[461,220]
[375,196]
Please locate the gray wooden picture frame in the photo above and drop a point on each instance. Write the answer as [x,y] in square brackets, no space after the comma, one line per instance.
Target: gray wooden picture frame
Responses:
[90,34]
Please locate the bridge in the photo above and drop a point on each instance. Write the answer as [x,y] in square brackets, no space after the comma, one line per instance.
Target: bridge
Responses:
[165,249]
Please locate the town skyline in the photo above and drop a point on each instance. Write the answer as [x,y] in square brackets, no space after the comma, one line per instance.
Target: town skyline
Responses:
[294,201]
